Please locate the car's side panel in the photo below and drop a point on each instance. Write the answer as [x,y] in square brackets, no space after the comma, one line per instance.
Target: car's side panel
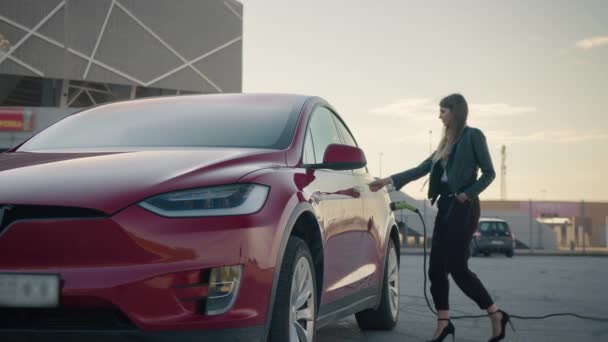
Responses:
[379,220]
[340,227]
[338,207]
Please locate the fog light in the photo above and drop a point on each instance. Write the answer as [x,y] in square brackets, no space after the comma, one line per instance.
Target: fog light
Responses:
[224,284]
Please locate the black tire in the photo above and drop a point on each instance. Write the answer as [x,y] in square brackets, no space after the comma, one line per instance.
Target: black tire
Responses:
[381,318]
[486,254]
[280,324]
[509,253]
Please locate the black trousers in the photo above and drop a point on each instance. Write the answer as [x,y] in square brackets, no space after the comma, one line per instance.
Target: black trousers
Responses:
[454,227]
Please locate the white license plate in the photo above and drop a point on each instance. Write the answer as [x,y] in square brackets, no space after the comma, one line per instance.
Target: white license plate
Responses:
[29,290]
[497,242]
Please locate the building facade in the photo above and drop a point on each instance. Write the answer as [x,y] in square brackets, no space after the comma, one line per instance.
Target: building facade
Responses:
[555,224]
[546,225]
[58,56]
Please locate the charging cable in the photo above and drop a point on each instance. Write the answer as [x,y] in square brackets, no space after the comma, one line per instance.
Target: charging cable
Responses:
[404,205]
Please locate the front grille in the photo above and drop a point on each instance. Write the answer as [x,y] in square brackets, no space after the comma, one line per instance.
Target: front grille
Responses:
[64,319]
[12,213]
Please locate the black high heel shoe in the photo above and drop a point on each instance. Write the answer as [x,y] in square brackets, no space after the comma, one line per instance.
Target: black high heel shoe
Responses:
[503,323]
[448,330]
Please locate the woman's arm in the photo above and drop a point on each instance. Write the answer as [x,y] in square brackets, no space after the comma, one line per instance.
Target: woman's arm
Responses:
[484,160]
[399,180]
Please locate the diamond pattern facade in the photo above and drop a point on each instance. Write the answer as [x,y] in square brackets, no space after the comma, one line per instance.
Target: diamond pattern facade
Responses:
[192,45]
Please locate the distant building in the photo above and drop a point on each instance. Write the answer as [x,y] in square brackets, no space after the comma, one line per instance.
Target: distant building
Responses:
[58,56]
[537,225]
[554,224]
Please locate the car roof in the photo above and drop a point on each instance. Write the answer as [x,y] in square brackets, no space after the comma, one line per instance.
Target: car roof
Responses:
[490,219]
[201,99]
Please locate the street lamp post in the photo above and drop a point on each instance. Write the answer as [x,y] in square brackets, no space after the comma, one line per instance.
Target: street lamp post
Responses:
[583,224]
[530,213]
[380,158]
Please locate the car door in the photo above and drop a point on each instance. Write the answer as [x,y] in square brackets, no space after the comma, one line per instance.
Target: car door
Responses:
[374,220]
[339,207]
[486,235]
[503,235]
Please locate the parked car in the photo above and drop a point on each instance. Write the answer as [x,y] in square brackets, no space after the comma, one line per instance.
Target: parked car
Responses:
[493,236]
[236,217]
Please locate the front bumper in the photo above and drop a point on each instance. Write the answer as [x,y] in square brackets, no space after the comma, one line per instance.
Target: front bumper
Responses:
[488,246]
[148,267]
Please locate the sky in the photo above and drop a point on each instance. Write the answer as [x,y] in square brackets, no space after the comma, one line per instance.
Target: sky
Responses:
[535,75]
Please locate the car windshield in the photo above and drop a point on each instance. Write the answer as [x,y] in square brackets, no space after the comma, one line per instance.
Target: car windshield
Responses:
[197,121]
[488,228]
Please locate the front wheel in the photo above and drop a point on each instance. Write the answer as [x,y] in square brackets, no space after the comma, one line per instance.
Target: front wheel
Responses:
[385,317]
[294,313]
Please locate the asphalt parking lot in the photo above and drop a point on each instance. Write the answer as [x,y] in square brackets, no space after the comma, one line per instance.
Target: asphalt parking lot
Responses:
[524,285]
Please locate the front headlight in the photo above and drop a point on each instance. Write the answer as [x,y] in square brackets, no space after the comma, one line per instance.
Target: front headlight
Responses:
[235,199]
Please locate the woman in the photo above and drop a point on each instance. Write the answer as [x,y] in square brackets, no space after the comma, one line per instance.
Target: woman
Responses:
[453,168]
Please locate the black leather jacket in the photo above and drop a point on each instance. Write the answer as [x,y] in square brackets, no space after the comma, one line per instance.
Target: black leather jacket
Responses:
[469,154]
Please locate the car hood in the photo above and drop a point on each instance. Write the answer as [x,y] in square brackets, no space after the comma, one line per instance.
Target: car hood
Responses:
[110,181]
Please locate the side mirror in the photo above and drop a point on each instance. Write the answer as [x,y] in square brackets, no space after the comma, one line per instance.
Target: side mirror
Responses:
[342,157]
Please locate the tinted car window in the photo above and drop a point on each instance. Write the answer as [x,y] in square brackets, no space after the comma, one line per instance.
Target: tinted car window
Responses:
[489,228]
[485,228]
[309,152]
[348,139]
[346,136]
[323,132]
[181,123]
[501,228]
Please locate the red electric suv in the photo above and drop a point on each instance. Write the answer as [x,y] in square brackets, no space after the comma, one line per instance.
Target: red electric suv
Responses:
[240,217]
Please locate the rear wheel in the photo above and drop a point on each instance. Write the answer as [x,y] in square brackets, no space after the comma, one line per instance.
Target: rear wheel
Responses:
[509,253]
[387,314]
[294,313]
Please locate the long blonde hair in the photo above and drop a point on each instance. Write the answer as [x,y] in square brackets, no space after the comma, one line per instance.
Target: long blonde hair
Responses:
[460,111]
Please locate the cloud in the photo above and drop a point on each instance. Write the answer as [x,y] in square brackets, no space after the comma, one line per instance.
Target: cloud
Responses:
[556,136]
[499,110]
[592,42]
[423,108]
[407,108]
[500,137]
[420,137]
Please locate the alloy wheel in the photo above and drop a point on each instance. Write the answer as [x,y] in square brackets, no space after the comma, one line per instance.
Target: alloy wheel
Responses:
[302,303]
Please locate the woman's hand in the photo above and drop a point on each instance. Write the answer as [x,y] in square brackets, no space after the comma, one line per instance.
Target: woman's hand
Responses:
[379,184]
[462,197]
